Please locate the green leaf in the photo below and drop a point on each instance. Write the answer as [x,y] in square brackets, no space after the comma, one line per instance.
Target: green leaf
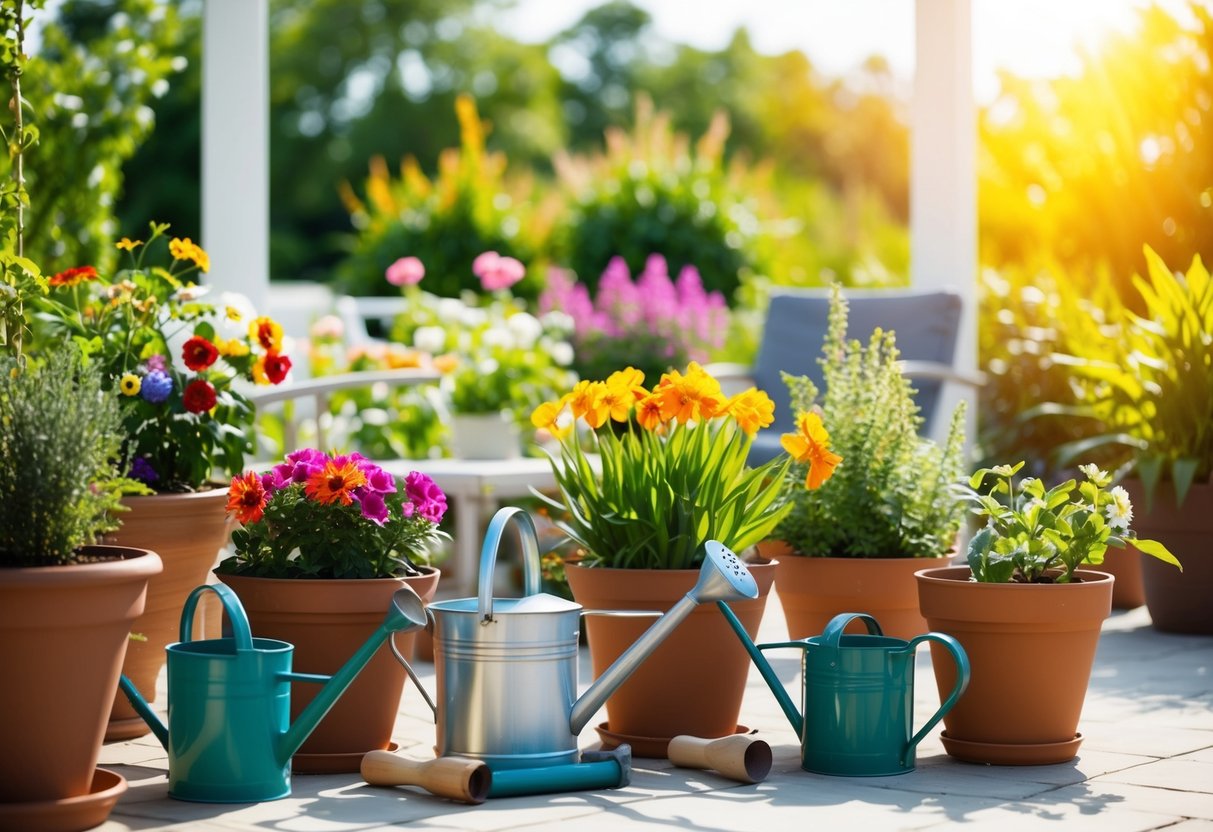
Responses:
[1183,471]
[1157,550]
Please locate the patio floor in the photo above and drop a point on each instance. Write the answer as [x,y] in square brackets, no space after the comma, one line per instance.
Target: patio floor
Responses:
[1146,763]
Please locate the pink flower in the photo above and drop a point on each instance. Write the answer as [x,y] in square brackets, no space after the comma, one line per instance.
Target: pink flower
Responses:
[373,507]
[407,271]
[426,495]
[497,272]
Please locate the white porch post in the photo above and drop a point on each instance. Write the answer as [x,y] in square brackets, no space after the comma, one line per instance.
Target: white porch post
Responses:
[235,146]
[943,174]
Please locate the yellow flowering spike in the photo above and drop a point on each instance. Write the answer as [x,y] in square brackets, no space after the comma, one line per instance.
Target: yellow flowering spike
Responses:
[127,244]
[753,410]
[811,444]
[130,384]
[267,332]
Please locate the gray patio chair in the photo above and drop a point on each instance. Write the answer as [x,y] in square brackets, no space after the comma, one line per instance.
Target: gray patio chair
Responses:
[926,325]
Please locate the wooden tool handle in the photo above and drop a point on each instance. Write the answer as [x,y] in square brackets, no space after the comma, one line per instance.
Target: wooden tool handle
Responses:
[457,778]
[741,757]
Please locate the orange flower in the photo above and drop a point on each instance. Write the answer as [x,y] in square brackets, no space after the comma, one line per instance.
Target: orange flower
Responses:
[695,397]
[588,401]
[247,497]
[620,392]
[446,363]
[753,409]
[811,444]
[335,482]
[630,379]
[648,412]
[74,276]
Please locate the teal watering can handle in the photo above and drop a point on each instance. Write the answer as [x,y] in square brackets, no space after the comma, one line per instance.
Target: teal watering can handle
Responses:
[231,604]
[834,630]
[488,557]
[962,680]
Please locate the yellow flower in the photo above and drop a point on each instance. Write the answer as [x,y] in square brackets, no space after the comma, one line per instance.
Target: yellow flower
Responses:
[127,244]
[446,363]
[201,259]
[811,444]
[267,332]
[547,417]
[695,397]
[630,379]
[181,249]
[232,314]
[259,374]
[130,384]
[588,401]
[648,412]
[753,409]
[233,347]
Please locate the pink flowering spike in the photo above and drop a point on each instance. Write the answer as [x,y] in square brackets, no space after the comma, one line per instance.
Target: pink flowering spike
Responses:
[407,271]
[655,264]
[485,263]
[373,506]
[558,291]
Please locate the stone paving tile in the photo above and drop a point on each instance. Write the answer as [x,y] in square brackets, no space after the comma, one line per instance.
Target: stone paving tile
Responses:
[1153,741]
[1179,775]
[1141,798]
[1192,826]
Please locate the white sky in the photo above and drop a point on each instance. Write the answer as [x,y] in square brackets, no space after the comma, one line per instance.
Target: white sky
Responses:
[1033,38]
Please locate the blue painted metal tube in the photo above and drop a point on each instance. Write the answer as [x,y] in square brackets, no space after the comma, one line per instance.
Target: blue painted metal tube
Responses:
[607,774]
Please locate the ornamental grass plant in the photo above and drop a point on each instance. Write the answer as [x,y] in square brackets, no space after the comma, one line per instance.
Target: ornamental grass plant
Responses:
[340,516]
[670,470]
[892,495]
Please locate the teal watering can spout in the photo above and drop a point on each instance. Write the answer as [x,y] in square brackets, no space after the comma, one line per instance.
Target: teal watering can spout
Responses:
[406,614]
[764,667]
[159,729]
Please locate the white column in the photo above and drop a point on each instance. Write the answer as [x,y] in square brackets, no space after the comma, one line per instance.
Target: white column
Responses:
[235,146]
[943,170]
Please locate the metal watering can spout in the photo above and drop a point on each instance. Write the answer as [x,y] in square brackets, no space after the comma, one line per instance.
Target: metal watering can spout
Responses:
[407,613]
[722,578]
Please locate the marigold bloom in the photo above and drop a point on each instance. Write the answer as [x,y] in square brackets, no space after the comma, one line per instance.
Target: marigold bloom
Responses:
[74,276]
[199,353]
[335,482]
[267,332]
[199,396]
[130,384]
[811,444]
[127,244]
[247,498]
[753,410]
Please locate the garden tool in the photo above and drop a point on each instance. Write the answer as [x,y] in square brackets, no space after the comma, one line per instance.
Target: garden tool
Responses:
[457,778]
[507,667]
[228,737]
[740,757]
[858,696]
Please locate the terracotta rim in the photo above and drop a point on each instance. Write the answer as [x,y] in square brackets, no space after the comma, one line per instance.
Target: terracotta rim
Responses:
[1011,754]
[68,814]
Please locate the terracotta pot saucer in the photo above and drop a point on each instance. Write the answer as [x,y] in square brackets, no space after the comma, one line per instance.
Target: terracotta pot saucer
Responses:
[68,814]
[1012,754]
[655,747]
[331,763]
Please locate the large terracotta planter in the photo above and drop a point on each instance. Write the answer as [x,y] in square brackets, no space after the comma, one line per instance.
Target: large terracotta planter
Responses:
[186,531]
[327,620]
[694,681]
[814,590]
[1031,648]
[63,633]
[1179,602]
[1124,565]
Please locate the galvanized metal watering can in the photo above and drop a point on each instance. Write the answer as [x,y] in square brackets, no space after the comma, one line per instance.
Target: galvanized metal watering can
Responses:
[228,737]
[507,667]
[858,696]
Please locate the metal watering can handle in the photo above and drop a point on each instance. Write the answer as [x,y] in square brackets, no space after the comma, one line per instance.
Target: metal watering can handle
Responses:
[962,680]
[834,630]
[488,556]
[231,604]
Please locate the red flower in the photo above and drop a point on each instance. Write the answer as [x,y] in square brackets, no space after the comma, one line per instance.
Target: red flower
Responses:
[276,367]
[199,353]
[73,276]
[199,396]
[247,498]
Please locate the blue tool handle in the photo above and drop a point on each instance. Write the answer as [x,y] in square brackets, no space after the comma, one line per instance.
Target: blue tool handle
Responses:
[607,774]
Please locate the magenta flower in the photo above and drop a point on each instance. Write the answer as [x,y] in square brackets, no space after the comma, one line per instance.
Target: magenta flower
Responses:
[372,505]
[426,495]
[157,362]
[407,271]
[497,272]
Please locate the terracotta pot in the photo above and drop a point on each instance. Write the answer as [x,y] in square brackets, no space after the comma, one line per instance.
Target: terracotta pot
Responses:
[1031,648]
[1125,566]
[814,590]
[1178,601]
[186,531]
[327,620]
[63,633]
[693,682]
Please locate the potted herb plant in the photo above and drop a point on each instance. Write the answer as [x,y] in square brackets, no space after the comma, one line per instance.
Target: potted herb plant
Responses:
[1025,612]
[670,475]
[324,542]
[855,543]
[67,606]
[172,362]
[1155,394]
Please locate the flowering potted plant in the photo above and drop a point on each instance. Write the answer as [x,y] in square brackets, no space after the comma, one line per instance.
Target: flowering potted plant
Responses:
[323,543]
[669,474]
[172,362]
[855,544]
[67,606]
[1027,615]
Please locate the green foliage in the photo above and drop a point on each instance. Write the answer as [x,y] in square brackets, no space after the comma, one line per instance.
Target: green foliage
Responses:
[891,495]
[469,208]
[1153,387]
[1041,535]
[59,436]
[289,531]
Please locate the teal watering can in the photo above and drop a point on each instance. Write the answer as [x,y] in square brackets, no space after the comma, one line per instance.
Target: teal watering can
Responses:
[228,737]
[858,697]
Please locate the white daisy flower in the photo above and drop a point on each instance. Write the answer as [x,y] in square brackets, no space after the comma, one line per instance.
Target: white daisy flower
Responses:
[1119,510]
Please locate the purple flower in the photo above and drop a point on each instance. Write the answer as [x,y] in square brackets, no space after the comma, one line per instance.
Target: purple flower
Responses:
[157,362]
[156,387]
[299,466]
[143,471]
[426,495]
[373,506]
